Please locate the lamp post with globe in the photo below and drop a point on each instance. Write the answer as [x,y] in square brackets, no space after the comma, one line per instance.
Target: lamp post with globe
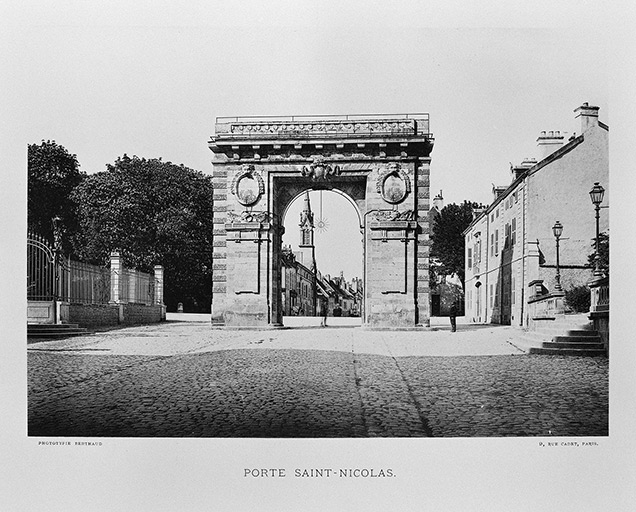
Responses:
[557,230]
[596,195]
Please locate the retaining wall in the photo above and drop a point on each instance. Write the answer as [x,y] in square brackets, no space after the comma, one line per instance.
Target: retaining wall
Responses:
[106,315]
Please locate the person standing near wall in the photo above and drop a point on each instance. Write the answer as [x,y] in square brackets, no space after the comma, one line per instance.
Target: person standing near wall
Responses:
[324,306]
[453,316]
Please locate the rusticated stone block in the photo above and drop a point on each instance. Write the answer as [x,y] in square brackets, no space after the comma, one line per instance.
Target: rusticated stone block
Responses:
[219,277]
[219,243]
[219,208]
[219,288]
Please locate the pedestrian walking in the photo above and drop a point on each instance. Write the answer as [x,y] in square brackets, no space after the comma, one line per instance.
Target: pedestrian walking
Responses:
[453,315]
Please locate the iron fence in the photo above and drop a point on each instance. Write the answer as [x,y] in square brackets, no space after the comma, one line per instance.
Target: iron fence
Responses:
[136,287]
[84,283]
[51,276]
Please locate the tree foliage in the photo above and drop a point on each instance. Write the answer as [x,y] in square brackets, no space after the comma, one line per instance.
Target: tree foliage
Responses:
[578,299]
[52,174]
[153,213]
[447,247]
[603,252]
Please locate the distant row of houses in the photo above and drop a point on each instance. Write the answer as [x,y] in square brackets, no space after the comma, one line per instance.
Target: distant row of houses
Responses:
[305,290]
[510,248]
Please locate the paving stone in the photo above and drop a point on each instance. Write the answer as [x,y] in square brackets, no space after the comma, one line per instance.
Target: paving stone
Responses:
[188,381]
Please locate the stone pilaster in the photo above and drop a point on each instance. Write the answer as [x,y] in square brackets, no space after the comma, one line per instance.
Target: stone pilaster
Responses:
[115,277]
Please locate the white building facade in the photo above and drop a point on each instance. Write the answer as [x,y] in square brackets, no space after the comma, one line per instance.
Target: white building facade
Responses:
[510,244]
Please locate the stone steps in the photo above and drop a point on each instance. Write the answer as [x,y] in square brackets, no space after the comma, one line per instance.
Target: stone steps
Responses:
[572,344]
[567,335]
[583,332]
[577,339]
[554,351]
[54,331]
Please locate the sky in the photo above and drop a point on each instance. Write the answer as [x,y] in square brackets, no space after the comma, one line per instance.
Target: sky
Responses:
[151,78]
[339,243]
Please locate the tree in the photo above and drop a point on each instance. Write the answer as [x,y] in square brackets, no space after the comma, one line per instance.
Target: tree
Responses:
[52,174]
[603,253]
[153,213]
[447,247]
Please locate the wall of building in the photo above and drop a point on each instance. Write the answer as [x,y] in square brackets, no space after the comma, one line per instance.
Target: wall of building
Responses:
[557,188]
[560,191]
[297,287]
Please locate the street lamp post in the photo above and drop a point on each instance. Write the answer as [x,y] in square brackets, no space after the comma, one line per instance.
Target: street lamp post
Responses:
[596,195]
[557,229]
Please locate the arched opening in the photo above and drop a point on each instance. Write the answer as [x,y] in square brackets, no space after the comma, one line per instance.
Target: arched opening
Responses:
[321,260]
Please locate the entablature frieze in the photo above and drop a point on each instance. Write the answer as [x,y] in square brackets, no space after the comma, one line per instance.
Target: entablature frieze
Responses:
[221,160]
[372,125]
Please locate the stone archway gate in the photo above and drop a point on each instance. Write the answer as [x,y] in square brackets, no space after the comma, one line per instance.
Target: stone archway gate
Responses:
[382,162]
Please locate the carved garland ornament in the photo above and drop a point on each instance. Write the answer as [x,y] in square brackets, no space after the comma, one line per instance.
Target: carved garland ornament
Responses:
[248,217]
[319,170]
[393,183]
[391,215]
[248,185]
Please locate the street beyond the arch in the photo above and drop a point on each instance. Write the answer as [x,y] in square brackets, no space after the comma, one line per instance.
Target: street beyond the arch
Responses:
[184,379]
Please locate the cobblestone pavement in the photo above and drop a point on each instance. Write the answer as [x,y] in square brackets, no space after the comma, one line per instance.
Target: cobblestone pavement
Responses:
[186,379]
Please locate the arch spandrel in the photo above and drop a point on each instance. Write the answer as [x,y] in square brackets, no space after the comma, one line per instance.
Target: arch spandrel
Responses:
[381,166]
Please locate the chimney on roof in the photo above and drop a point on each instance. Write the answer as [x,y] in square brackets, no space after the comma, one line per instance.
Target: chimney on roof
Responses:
[549,142]
[497,191]
[588,115]
[518,170]
[478,210]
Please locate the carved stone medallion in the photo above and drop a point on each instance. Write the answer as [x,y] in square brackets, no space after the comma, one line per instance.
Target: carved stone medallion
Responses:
[393,183]
[248,186]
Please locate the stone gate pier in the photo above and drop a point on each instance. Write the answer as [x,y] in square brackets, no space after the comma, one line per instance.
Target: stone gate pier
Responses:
[381,163]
